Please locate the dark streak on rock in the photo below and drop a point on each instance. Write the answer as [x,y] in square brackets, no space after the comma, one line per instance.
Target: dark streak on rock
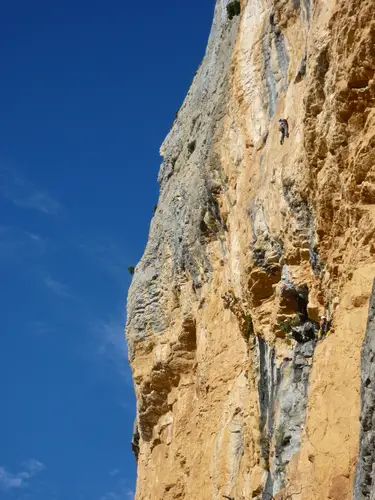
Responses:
[365,474]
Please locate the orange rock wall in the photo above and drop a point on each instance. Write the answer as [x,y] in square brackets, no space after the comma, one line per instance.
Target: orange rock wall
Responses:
[251,242]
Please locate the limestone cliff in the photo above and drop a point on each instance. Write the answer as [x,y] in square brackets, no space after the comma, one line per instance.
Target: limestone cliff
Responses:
[251,242]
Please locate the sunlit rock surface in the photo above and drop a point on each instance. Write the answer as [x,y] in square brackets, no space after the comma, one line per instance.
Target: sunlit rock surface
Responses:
[250,244]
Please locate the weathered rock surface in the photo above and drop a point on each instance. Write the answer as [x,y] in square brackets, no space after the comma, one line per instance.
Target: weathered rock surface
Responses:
[251,243]
[365,476]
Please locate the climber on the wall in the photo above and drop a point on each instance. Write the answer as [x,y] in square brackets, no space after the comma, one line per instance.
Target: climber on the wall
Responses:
[284,129]
[324,328]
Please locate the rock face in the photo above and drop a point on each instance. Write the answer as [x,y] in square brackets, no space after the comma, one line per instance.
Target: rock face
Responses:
[365,477]
[251,243]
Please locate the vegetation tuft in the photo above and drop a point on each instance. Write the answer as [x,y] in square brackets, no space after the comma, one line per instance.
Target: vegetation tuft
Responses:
[287,325]
[191,147]
[233,9]
[264,443]
[249,327]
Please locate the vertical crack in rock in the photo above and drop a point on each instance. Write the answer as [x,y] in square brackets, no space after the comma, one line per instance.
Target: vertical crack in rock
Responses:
[291,410]
[282,393]
[364,488]
[270,78]
[282,396]
[282,54]
[306,4]
[273,42]
[269,379]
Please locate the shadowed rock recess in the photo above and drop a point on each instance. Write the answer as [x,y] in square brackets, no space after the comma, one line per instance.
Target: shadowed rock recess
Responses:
[250,244]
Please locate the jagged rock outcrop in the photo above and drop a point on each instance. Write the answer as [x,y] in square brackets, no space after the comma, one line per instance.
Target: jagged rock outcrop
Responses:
[250,244]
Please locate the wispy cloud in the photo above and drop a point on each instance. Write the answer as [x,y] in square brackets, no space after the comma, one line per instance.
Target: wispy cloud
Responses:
[16,244]
[122,492]
[114,472]
[111,344]
[9,480]
[40,328]
[113,260]
[111,256]
[58,288]
[23,193]
[34,237]
[33,468]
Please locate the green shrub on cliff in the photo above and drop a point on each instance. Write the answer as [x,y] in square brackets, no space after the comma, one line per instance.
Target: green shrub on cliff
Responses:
[233,9]
[287,325]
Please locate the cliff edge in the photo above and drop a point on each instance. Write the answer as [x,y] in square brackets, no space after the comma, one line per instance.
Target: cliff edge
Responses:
[251,244]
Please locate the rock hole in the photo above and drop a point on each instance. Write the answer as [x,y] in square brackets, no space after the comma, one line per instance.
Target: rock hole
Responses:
[191,147]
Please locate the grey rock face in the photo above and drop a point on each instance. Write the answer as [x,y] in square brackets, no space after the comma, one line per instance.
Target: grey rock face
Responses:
[267,387]
[268,383]
[190,175]
[273,35]
[283,401]
[304,333]
[291,409]
[365,475]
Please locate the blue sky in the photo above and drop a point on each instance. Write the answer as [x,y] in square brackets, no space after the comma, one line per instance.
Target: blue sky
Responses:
[88,92]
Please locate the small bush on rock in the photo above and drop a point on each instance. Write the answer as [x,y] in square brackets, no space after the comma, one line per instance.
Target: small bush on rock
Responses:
[233,9]
[191,147]
[287,325]
[249,327]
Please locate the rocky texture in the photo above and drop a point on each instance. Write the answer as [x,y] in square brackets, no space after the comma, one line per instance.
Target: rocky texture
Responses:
[251,242]
[365,476]
[282,402]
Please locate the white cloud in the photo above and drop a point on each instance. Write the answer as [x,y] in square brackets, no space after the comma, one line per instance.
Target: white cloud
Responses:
[21,192]
[33,236]
[16,241]
[113,260]
[114,472]
[40,328]
[123,493]
[111,256]
[9,481]
[58,288]
[110,346]
[111,341]
[33,467]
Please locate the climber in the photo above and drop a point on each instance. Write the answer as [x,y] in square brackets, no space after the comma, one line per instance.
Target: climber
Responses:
[284,129]
[324,328]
